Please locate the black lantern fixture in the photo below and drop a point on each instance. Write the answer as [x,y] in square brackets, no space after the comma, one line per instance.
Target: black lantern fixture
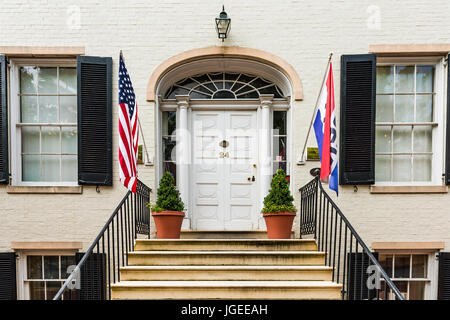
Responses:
[223,24]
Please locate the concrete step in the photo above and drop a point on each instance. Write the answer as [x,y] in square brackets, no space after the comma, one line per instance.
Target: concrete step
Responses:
[247,290]
[168,258]
[226,245]
[236,273]
[194,234]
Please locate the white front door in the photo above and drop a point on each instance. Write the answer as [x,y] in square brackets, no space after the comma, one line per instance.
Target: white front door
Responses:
[224,170]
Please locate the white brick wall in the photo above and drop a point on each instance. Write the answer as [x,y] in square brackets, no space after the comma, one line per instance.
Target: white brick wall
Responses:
[301,32]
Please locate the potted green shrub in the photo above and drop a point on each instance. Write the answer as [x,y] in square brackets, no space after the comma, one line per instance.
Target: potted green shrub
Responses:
[279,210]
[168,209]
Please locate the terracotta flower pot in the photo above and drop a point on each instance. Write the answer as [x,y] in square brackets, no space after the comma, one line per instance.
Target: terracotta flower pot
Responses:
[168,224]
[279,224]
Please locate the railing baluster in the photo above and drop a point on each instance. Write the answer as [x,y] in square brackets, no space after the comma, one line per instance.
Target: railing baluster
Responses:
[345,273]
[326,232]
[339,249]
[350,263]
[334,252]
[109,266]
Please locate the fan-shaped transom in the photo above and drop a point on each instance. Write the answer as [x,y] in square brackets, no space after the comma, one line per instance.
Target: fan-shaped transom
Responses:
[223,85]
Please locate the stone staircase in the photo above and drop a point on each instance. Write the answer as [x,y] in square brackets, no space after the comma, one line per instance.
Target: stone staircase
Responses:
[226,269]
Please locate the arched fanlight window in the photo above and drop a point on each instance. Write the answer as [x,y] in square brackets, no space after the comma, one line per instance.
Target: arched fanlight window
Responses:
[223,85]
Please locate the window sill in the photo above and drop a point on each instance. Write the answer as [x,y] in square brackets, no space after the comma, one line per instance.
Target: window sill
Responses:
[44,190]
[408,189]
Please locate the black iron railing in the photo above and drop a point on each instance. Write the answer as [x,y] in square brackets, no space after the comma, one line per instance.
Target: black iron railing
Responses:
[100,266]
[354,265]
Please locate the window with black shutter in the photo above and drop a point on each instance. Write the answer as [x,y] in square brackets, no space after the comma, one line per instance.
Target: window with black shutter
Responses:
[444,276]
[357,125]
[8,276]
[93,276]
[94,120]
[4,167]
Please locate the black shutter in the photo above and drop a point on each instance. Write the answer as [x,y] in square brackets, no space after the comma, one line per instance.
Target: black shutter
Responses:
[8,276]
[4,168]
[444,276]
[92,276]
[447,147]
[357,129]
[94,120]
[357,271]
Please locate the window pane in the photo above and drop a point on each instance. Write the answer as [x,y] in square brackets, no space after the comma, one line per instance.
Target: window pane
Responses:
[69,140]
[68,80]
[383,139]
[68,109]
[37,290]
[425,78]
[279,148]
[51,267]
[172,168]
[385,108]
[169,149]
[402,139]
[419,266]
[169,119]
[28,80]
[47,80]
[50,140]
[66,261]
[424,108]
[401,266]
[386,263]
[48,109]
[382,168]
[30,139]
[50,168]
[402,168]
[29,109]
[422,139]
[69,168]
[34,267]
[279,165]
[422,167]
[53,288]
[385,79]
[31,168]
[404,108]
[416,290]
[404,81]
[403,287]
[279,122]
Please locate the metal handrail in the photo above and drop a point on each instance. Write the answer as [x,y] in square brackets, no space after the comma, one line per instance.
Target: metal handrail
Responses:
[137,221]
[322,218]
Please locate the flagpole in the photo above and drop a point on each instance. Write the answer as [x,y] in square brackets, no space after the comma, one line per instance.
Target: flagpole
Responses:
[301,160]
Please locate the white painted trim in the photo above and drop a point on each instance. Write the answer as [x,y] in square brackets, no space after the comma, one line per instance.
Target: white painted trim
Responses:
[15,128]
[228,65]
[438,138]
[23,292]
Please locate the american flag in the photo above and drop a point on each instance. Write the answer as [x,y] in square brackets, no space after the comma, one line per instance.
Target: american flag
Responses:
[128,129]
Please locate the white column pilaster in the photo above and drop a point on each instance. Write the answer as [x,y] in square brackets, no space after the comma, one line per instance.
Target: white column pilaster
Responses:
[183,156]
[265,152]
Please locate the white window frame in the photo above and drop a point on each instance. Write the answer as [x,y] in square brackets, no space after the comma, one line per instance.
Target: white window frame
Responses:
[15,128]
[431,281]
[437,162]
[23,289]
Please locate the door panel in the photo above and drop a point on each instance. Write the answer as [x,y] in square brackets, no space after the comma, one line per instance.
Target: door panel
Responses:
[224,193]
